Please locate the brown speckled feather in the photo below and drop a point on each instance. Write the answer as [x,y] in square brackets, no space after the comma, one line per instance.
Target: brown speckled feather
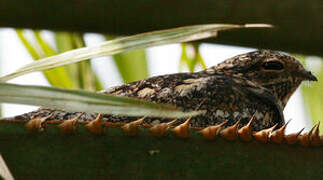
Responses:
[257,83]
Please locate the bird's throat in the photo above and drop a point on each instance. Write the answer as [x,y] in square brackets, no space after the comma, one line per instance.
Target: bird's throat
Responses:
[283,90]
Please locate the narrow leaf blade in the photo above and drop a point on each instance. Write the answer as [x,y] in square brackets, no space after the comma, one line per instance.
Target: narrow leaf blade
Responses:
[176,35]
[132,65]
[84,101]
[57,77]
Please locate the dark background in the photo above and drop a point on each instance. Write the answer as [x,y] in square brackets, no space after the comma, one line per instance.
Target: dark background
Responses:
[299,24]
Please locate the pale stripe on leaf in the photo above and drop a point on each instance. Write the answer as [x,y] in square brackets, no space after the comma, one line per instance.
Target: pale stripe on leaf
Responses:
[84,101]
[175,35]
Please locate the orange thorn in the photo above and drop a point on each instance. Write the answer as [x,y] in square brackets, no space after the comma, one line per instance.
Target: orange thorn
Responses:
[278,135]
[304,139]
[315,137]
[161,129]
[95,126]
[263,135]
[37,124]
[70,126]
[292,138]
[245,133]
[230,133]
[182,130]
[211,132]
[132,128]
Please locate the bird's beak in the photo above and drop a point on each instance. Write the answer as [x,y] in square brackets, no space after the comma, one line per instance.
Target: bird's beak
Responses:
[307,75]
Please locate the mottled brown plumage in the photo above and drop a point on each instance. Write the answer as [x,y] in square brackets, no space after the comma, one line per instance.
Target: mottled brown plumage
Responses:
[258,83]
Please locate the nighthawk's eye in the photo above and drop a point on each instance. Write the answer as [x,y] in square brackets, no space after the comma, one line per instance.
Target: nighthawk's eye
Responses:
[273,65]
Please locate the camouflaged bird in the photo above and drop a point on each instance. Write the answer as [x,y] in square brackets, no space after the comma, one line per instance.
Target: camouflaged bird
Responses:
[257,84]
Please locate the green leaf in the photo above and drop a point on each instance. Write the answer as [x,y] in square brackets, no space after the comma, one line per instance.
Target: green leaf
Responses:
[191,62]
[65,42]
[87,78]
[48,51]
[313,97]
[84,101]
[32,51]
[56,77]
[176,35]
[132,65]
[82,73]
[198,56]
[184,60]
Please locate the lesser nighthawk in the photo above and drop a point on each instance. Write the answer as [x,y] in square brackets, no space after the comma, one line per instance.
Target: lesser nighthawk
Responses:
[258,83]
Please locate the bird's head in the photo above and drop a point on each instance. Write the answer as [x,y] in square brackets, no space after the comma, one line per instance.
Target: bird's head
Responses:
[279,73]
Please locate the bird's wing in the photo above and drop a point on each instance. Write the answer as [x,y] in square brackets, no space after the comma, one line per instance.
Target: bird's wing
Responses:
[263,94]
[222,97]
[206,92]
